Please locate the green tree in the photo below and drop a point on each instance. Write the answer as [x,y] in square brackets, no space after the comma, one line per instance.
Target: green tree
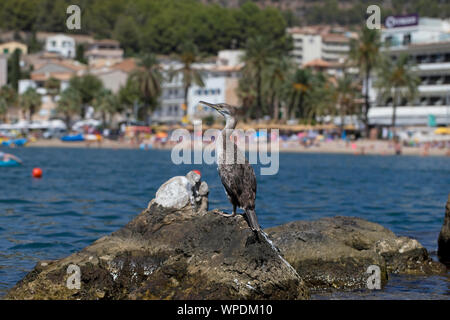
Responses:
[33,44]
[347,93]
[30,102]
[8,98]
[148,77]
[277,74]
[88,86]
[188,56]
[9,94]
[14,73]
[126,32]
[18,15]
[258,55]
[321,99]
[247,94]
[52,85]
[69,105]
[129,95]
[299,88]
[3,108]
[51,15]
[397,80]
[107,104]
[365,53]
[79,53]
[162,25]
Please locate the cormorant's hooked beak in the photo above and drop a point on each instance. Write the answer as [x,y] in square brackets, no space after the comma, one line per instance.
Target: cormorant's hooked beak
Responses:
[214,106]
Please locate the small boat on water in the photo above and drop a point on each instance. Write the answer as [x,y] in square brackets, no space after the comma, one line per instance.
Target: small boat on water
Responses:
[9,163]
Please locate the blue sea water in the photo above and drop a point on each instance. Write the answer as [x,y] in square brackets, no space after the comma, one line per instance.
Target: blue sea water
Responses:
[88,193]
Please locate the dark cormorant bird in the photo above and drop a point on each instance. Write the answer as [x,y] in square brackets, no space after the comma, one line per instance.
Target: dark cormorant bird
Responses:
[237,175]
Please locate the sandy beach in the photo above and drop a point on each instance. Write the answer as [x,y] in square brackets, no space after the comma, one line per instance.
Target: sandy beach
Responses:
[360,147]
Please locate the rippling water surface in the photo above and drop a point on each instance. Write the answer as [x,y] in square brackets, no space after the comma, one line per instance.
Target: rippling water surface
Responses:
[87,193]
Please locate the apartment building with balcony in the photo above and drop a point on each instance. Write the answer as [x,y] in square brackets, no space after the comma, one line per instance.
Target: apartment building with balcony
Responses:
[427,43]
[220,78]
[335,47]
[170,109]
[104,52]
[330,44]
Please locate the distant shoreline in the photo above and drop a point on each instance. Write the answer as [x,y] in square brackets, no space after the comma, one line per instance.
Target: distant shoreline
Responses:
[361,147]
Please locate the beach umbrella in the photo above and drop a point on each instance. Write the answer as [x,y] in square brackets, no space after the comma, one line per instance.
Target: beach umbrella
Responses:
[57,124]
[442,130]
[162,135]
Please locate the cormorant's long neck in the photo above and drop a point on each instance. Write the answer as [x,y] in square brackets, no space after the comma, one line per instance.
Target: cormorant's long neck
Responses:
[230,124]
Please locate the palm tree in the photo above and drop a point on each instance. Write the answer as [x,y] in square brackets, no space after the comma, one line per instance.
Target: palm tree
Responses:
[396,80]
[69,104]
[365,53]
[258,55]
[107,104]
[321,98]
[347,92]
[29,102]
[277,75]
[8,98]
[3,108]
[247,94]
[300,86]
[129,96]
[148,77]
[188,56]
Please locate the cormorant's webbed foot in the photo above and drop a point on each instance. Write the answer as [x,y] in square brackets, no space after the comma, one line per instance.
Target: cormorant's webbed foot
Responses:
[223,214]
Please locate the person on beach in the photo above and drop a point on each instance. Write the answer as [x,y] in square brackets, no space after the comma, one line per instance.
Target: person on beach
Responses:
[7,156]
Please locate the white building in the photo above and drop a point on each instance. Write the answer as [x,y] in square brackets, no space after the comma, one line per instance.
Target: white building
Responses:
[320,42]
[212,92]
[230,57]
[307,46]
[3,70]
[427,42]
[61,44]
[171,102]
[220,83]
[104,51]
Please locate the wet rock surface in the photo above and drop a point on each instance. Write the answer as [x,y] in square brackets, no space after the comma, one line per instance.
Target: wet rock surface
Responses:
[335,253]
[444,237]
[170,253]
[177,249]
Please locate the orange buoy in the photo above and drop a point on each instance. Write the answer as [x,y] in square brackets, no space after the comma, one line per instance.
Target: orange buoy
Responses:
[197,172]
[37,173]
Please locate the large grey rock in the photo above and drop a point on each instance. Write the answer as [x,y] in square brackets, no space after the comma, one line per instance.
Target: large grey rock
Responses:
[444,237]
[170,253]
[335,253]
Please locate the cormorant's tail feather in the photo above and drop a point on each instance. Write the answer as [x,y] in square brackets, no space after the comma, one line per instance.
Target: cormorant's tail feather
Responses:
[252,220]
